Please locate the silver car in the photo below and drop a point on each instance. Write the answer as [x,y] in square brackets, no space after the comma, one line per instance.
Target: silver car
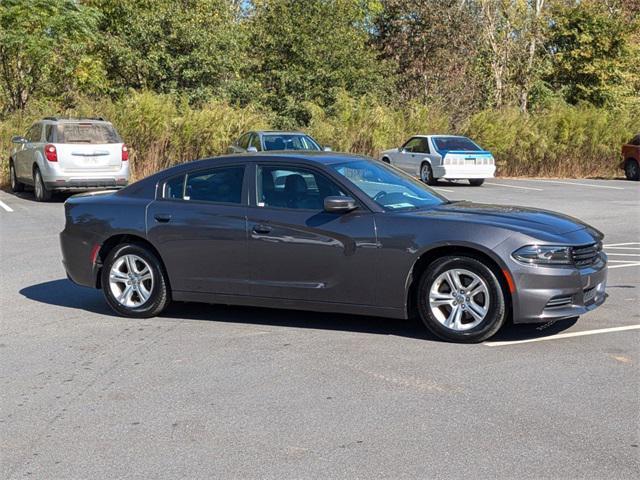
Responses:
[267,140]
[451,157]
[68,154]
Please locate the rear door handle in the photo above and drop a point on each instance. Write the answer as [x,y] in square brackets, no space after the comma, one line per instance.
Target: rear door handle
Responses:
[162,217]
[262,229]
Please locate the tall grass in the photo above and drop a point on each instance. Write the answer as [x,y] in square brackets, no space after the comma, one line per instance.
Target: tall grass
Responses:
[163,130]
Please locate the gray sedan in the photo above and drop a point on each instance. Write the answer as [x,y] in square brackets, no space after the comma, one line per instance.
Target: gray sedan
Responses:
[271,140]
[331,233]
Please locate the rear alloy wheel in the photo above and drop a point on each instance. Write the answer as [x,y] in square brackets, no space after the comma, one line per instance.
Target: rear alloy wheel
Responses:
[476,182]
[16,185]
[631,170]
[426,174]
[39,188]
[461,300]
[133,282]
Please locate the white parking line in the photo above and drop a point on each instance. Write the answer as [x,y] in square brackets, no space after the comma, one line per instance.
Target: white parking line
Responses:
[563,335]
[5,206]
[515,186]
[443,190]
[636,264]
[622,248]
[621,244]
[624,254]
[576,183]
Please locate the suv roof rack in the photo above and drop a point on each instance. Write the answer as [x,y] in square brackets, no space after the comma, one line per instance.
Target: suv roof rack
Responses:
[99,119]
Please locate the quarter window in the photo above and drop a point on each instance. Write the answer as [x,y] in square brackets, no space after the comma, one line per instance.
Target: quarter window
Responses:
[244,141]
[219,185]
[292,187]
[255,142]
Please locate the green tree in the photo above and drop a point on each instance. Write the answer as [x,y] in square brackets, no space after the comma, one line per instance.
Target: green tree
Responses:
[36,38]
[192,47]
[594,55]
[309,51]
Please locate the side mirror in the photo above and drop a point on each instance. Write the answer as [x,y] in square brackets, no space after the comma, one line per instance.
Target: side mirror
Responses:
[19,139]
[252,149]
[402,150]
[327,149]
[339,204]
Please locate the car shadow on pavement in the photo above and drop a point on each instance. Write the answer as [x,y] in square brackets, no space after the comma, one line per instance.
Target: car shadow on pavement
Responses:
[64,293]
[56,197]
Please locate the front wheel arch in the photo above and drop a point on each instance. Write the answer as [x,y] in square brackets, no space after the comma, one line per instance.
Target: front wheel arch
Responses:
[112,242]
[420,265]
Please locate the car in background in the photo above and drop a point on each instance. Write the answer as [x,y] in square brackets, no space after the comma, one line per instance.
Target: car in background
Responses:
[68,154]
[267,141]
[430,157]
[631,159]
[330,233]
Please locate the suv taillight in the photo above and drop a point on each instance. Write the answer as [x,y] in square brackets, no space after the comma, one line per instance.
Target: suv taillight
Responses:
[50,152]
[125,153]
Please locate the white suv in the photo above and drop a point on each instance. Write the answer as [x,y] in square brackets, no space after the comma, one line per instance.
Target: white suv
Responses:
[68,154]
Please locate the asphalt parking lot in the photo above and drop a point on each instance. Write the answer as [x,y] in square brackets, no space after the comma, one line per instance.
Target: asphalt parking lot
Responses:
[228,392]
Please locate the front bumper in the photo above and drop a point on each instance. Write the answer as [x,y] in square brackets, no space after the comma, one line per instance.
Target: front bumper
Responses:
[464,171]
[543,293]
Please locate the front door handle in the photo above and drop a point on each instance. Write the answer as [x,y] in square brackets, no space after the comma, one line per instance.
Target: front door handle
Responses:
[262,229]
[162,217]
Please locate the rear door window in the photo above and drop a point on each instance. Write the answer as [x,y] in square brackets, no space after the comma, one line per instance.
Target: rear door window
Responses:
[88,133]
[174,188]
[217,185]
[255,142]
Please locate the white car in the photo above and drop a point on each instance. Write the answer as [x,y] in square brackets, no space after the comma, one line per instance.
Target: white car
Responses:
[451,157]
[68,154]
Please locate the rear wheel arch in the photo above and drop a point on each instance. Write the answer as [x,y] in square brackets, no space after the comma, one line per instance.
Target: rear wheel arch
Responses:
[112,242]
[428,257]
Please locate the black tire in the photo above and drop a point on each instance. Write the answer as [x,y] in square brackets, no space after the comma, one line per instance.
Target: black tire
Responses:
[16,185]
[476,182]
[160,293]
[40,190]
[631,170]
[496,312]
[426,174]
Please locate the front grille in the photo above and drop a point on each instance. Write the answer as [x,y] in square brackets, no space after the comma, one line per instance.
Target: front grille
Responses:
[587,255]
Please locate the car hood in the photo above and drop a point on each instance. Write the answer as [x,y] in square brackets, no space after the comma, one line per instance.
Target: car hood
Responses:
[521,219]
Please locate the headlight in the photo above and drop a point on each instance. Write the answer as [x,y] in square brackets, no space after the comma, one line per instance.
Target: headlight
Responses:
[544,255]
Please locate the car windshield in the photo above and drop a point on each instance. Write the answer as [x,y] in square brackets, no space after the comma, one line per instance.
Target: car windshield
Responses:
[94,133]
[289,142]
[455,143]
[386,186]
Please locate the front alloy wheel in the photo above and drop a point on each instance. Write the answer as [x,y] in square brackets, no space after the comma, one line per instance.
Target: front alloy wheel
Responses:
[460,299]
[16,185]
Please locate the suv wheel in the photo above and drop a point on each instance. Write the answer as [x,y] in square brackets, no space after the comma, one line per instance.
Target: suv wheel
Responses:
[133,282]
[631,170]
[40,190]
[476,182]
[460,299]
[16,185]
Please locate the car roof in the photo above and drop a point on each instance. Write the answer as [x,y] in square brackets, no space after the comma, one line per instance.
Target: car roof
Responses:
[146,186]
[74,119]
[279,132]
